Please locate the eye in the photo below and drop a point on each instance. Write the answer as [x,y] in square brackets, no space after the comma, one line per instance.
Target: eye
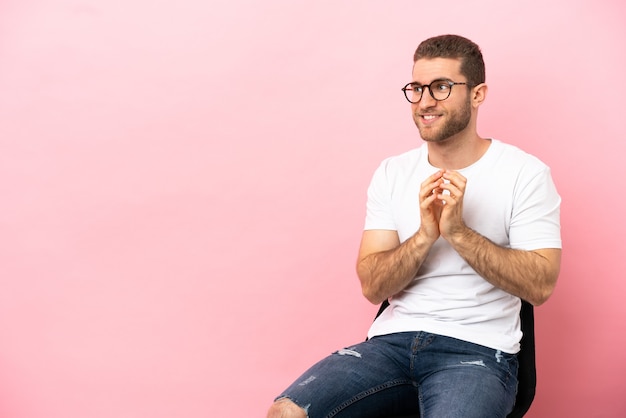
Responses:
[441,86]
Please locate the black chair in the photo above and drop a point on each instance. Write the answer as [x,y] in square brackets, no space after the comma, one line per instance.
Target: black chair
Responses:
[527,373]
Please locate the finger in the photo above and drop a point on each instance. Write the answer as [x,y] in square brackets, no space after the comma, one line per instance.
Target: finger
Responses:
[430,188]
[452,190]
[446,199]
[436,175]
[455,178]
[450,194]
[432,179]
[454,183]
[428,200]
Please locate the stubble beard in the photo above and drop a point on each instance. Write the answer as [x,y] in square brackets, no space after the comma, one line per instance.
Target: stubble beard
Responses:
[457,122]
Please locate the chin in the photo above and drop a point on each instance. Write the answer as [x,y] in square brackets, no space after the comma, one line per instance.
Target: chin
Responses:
[431,136]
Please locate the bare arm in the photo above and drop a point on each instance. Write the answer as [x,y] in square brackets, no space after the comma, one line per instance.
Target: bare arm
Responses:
[530,275]
[385,266]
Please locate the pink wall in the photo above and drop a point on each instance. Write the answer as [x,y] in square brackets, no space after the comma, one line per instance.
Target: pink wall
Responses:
[183,188]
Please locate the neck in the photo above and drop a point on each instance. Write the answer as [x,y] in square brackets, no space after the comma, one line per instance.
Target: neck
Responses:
[457,153]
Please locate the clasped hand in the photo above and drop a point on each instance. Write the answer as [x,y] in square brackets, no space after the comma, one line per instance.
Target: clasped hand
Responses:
[441,205]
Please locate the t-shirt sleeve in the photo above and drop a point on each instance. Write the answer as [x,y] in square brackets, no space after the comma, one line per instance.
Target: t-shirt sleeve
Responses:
[535,221]
[379,209]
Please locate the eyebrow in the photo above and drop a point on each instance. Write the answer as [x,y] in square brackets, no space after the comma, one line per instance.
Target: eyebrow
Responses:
[417,83]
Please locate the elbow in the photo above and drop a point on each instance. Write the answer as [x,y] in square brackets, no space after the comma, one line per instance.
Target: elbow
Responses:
[548,278]
[372,296]
[544,292]
[370,291]
[538,300]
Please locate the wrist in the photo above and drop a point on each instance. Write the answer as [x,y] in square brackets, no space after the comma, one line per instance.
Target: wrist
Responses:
[460,236]
[425,238]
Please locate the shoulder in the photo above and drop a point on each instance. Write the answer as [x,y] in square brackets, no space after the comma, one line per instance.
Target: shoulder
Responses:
[529,178]
[515,158]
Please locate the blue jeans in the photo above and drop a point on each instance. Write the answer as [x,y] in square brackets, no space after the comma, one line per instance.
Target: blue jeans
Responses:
[405,372]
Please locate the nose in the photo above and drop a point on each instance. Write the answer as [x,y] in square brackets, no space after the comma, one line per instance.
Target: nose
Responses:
[427,100]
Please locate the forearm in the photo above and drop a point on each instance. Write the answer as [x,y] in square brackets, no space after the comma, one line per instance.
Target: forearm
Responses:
[386,273]
[530,275]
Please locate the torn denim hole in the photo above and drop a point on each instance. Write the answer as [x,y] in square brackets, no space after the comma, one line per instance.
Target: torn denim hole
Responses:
[305,408]
[474,363]
[498,356]
[348,352]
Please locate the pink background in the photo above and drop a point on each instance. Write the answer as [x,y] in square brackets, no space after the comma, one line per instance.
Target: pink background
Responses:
[183,189]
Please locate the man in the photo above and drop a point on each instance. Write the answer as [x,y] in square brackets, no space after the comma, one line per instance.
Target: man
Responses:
[456,233]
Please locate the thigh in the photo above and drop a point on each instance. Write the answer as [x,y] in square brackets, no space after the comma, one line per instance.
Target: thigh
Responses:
[467,380]
[365,380]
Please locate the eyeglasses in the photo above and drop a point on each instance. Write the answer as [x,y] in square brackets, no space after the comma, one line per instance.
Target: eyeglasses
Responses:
[438,89]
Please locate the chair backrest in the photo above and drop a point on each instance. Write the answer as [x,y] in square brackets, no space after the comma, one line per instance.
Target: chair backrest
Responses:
[527,372]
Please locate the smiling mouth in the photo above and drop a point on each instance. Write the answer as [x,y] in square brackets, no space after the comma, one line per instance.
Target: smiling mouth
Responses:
[429,118]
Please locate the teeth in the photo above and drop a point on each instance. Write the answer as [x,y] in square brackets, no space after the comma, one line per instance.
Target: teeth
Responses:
[429,117]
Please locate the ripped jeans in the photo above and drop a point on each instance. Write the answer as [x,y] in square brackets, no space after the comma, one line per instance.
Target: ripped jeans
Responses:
[403,373]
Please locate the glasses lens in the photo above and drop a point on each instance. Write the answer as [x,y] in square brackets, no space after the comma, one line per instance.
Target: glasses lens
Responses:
[440,89]
[413,93]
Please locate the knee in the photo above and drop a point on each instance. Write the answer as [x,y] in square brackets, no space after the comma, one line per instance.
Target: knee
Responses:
[284,408]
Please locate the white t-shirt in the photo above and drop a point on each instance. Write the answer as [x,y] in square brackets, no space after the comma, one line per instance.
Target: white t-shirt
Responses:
[510,199]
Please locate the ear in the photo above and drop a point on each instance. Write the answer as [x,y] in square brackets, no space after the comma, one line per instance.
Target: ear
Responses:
[479,94]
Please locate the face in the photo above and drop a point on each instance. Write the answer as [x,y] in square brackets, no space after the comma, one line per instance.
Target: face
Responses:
[438,121]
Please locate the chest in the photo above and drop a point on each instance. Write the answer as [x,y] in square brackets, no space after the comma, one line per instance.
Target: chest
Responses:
[487,204]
